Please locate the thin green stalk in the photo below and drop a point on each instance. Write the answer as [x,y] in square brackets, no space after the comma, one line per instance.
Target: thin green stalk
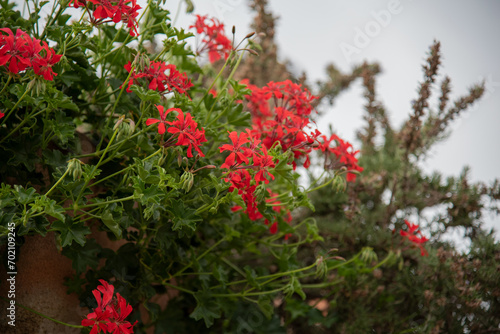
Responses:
[57,183]
[105,203]
[245,293]
[200,257]
[15,106]
[177,287]
[229,263]
[91,176]
[99,152]
[53,18]
[276,275]
[116,104]
[6,84]
[25,119]
[225,84]
[320,186]
[321,285]
[213,84]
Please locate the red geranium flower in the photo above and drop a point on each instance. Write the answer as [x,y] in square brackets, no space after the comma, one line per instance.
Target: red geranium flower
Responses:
[43,65]
[162,120]
[187,133]
[237,151]
[110,313]
[415,236]
[13,50]
[161,77]
[214,40]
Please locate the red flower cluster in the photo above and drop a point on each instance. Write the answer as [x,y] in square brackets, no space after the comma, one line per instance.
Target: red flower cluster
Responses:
[110,313]
[287,121]
[161,77]
[19,52]
[339,156]
[104,11]
[248,163]
[184,129]
[214,40]
[412,235]
[254,214]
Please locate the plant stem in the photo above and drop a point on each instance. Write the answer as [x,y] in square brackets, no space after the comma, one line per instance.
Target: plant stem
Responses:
[107,202]
[57,183]
[25,119]
[114,108]
[15,106]
[224,86]
[6,84]
[200,257]
[95,167]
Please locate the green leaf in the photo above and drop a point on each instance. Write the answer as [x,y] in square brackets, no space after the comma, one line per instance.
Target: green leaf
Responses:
[146,94]
[25,196]
[294,286]
[183,217]
[83,256]
[70,231]
[207,309]
[266,306]
[111,223]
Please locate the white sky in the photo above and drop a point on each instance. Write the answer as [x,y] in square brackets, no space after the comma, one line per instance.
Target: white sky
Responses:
[311,33]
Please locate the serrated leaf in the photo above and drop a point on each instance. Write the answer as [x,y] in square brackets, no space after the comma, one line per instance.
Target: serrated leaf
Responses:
[207,309]
[70,231]
[266,306]
[83,256]
[183,217]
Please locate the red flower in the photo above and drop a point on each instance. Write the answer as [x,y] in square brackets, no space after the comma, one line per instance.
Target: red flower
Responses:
[43,65]
[237,151]
[21,52]
[342,155]
[13,50]
[412,236]
[162,121]
[161,77]
[214,40]
[187,133]
[127,14]
[1,115]
[110,313]
[263,162]
[286,122]
[104,11]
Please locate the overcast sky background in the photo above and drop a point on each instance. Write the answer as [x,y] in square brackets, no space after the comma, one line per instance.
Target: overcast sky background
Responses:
[311,34]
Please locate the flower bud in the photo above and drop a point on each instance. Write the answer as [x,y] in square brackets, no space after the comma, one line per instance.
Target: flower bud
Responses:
[339,184]
[75,168]
[190,6]
[187,181]
[368,255]
[118,122]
